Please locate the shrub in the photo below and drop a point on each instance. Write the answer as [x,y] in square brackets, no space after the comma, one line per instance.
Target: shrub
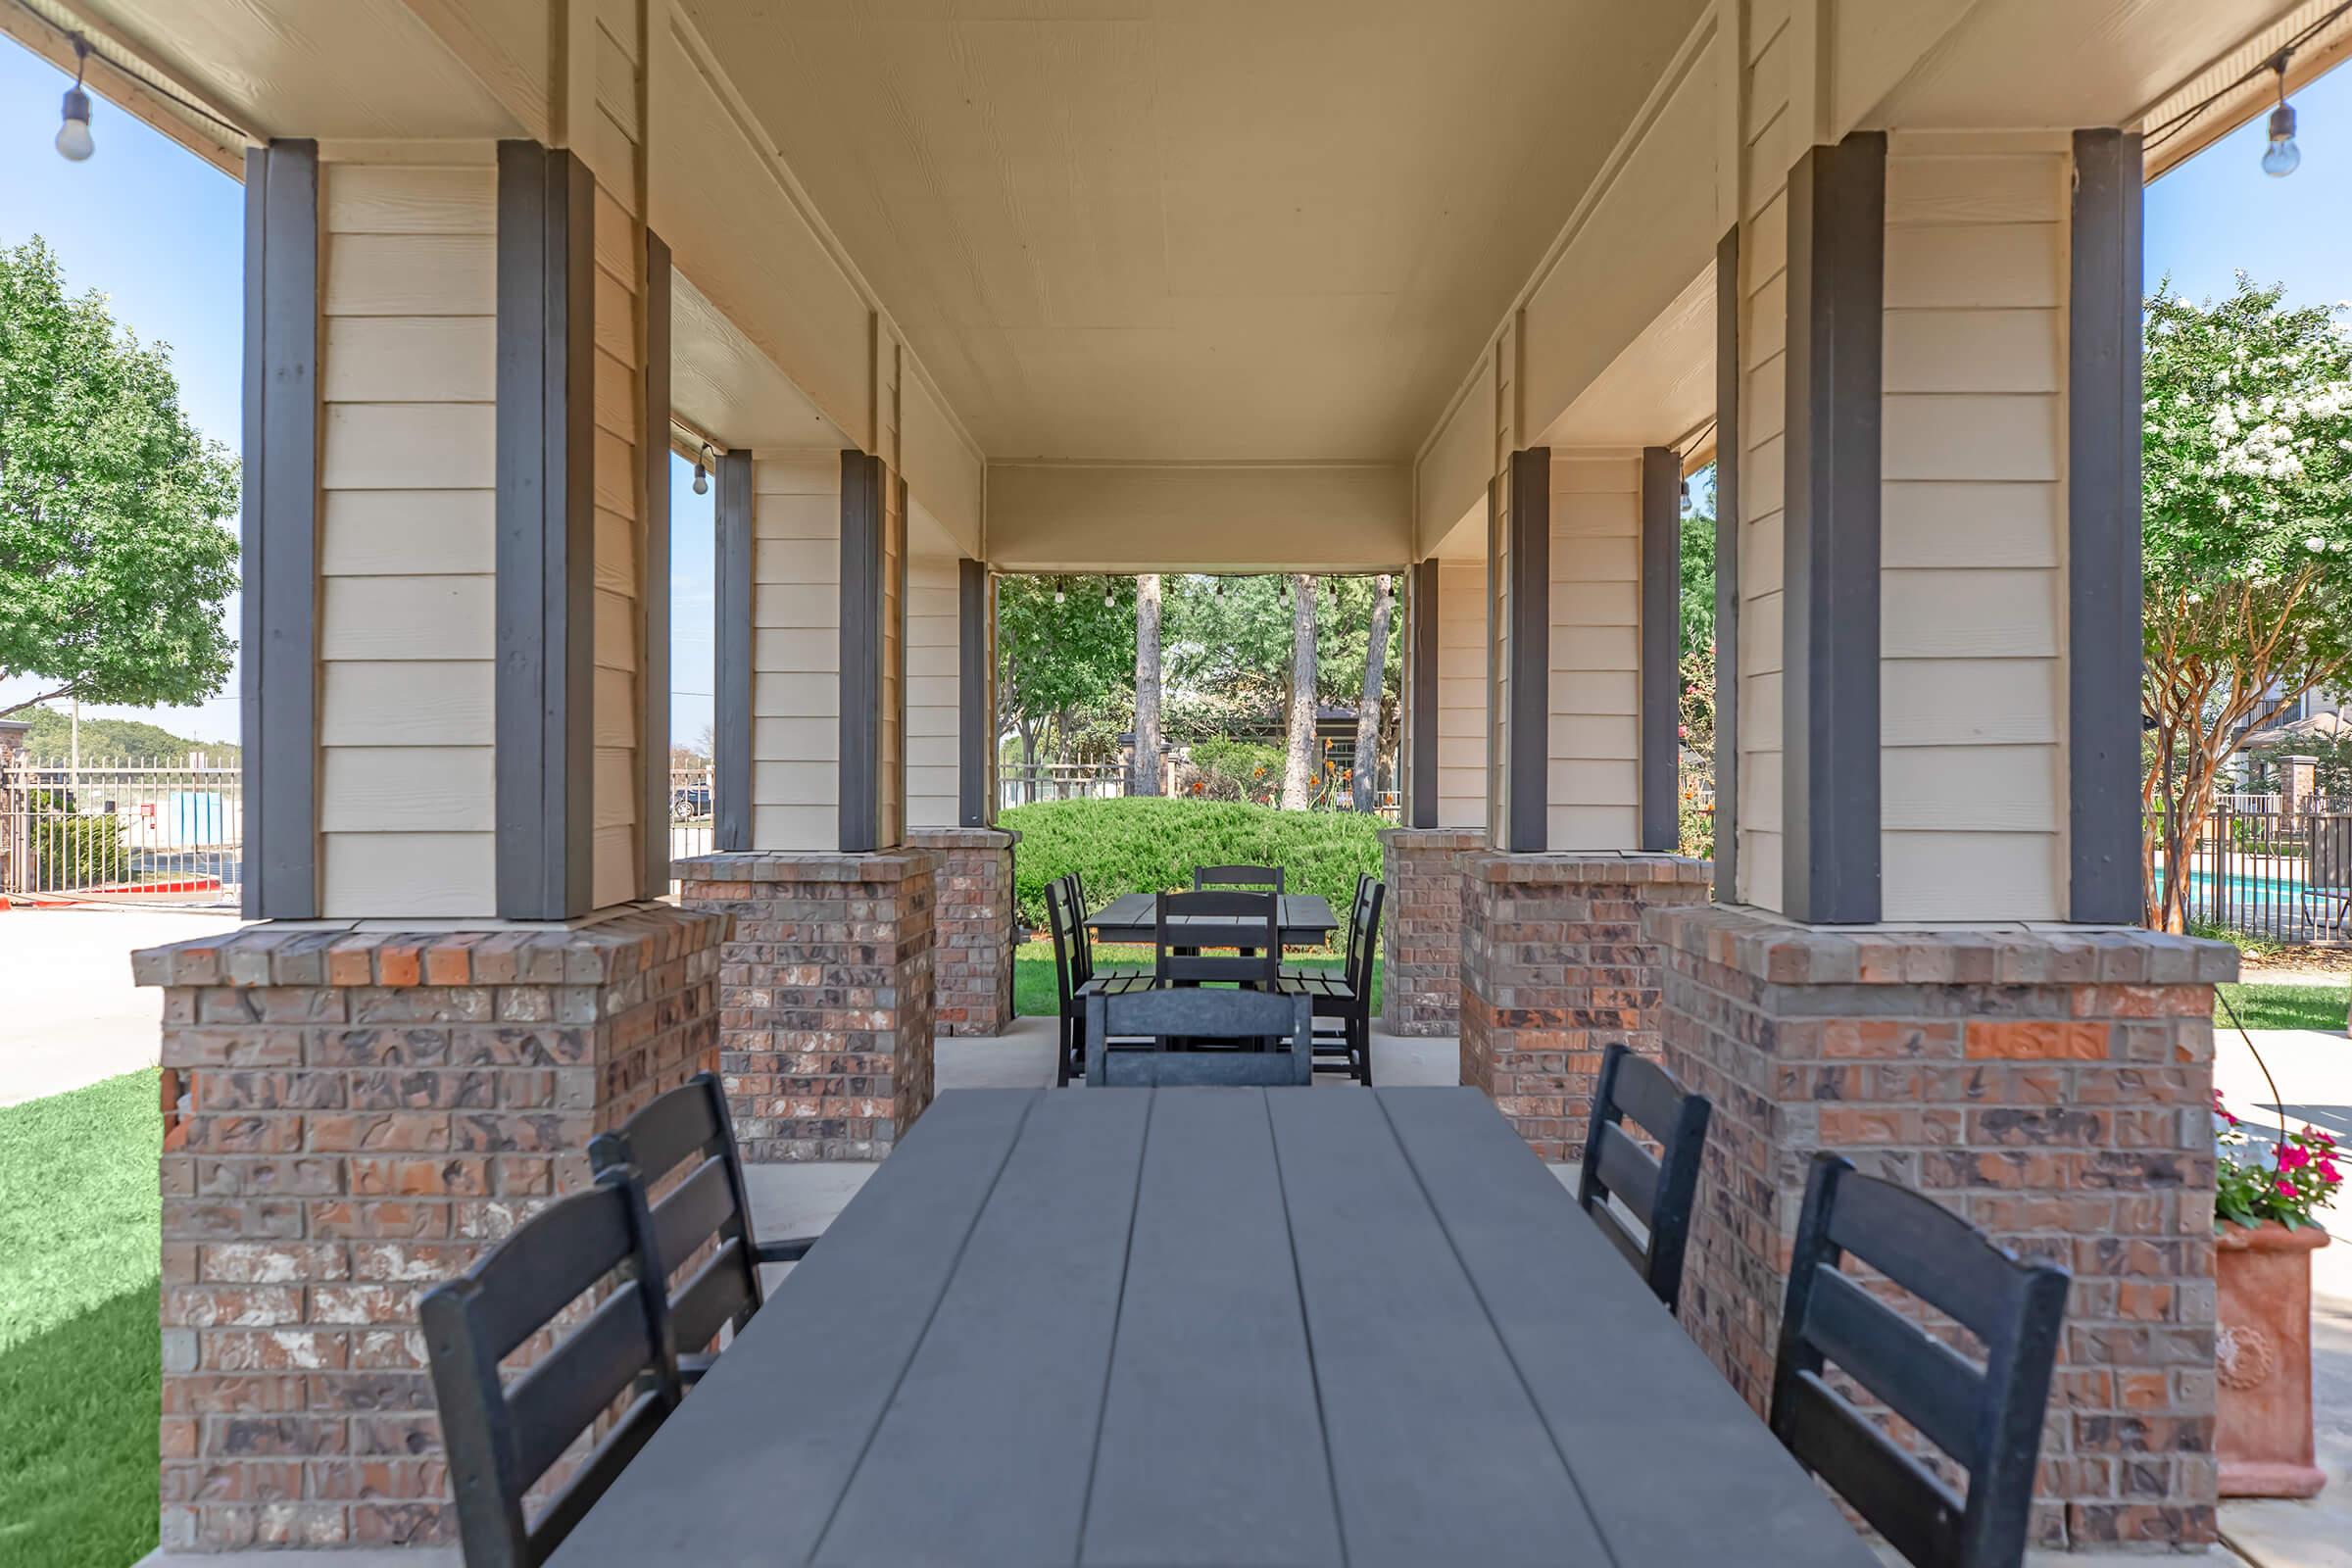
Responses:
[1141,845]
[1237,770]
[71,851]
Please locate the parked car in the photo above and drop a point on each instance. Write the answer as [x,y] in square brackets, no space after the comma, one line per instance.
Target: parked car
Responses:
[688,802]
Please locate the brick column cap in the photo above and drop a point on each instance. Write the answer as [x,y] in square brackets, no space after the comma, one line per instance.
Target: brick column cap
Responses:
[1453,839]
[1588,865]
[962,838]
[1782,952]
[600,952]
[805,865]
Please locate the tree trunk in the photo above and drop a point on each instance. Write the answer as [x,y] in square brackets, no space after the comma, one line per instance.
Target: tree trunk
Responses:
[1297,764]
[1367,707]
[1143,773]
[1029,728]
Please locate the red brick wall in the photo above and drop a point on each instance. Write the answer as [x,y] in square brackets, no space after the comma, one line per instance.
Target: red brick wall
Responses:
[1421,969]
[971,960]
[2052,1088]
[1554,968]
[824,997]
[363,1114]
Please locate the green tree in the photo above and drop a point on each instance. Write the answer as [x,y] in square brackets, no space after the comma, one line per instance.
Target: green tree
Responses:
[1057,662]
[115,557]
[2246,453]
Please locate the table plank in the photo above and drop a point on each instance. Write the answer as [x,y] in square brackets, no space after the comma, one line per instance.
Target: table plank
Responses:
[1306,919]
[1211,1450]
[748,1468]
[1643,1418]
[1439,1455]
[983,1455]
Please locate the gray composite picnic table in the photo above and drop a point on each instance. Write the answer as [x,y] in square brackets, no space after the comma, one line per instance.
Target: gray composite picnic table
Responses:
[1212,1326]
[1306,919]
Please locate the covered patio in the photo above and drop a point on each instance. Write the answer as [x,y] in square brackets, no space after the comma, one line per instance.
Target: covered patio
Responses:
[941,291]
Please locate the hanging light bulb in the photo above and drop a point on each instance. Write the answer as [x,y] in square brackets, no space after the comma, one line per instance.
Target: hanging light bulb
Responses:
[701,470]
[1216,587]
[1058,590]
[1107,593]
[2279,160]
[74,142]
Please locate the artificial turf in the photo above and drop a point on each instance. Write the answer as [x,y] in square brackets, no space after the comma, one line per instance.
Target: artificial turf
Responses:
[80,1375]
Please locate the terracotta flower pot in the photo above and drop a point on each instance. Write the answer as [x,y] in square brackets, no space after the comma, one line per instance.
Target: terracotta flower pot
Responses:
[2263,1361]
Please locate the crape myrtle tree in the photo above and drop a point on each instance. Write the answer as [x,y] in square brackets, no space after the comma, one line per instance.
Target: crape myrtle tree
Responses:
[2247,539]
[116,553]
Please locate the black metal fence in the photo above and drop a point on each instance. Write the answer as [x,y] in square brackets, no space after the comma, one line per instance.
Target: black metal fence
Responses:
[2280,870]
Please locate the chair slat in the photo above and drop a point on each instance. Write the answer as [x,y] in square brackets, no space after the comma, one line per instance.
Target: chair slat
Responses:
[1238,876]
[542,1266]
[1646,1092]
[1246,922]
[569,1387]
[1922,1379]
[1926,1248]
[1918,1514]
[717,1296]
[1612,1229]
[1201,1014]
[1627,1172]
[672,1130]
[692,1212]
[596,1476]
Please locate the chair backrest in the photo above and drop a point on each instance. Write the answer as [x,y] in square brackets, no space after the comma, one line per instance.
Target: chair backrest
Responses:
[1363,938]
[1201,1014]
[1658,1191]
[1987,1419]
[1267,878]
[2331,854]
[1186,924]
[501,1436]
[1067,934]
[688,1130]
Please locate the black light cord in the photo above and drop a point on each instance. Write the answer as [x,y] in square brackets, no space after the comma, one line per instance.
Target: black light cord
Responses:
[83,50]
[2275,61]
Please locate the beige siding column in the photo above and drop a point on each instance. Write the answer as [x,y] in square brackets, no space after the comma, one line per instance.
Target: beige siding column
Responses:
[795,651]
[406,561]
[1593,749]
[934,692]
[1461,694]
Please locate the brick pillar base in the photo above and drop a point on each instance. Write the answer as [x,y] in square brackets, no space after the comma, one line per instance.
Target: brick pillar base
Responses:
[2052,1086]
[1554,968]
[1421,973]
[971,962]
[349,1118]
[824,997]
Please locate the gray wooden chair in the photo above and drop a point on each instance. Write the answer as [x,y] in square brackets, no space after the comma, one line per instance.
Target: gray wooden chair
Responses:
[500,1438]
[1075,977]
[1246,1018]
[1987,1419]
[1658,1191]
[1345,998]
[691,1128]
[1223,936]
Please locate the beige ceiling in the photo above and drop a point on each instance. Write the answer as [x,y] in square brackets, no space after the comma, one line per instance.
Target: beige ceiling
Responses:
[1235,229]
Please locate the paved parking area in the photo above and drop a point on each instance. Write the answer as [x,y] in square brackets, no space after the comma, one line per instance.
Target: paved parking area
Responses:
[70,1014]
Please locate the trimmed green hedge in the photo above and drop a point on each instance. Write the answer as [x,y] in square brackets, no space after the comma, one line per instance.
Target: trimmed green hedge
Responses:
[1143,844]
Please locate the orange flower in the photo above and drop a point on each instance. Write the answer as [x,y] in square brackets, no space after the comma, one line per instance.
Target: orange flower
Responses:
[1199,785]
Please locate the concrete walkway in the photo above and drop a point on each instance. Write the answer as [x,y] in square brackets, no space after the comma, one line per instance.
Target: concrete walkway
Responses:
[2312,1072]
[72,1016]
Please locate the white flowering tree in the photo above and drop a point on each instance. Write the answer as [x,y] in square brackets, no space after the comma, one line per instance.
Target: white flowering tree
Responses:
[2247,540]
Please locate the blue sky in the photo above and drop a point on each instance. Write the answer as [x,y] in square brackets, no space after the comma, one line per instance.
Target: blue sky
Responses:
[160,232]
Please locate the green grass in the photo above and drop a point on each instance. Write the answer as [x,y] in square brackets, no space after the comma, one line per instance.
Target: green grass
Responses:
[2275,1007]
[1033,972]
[80,1378]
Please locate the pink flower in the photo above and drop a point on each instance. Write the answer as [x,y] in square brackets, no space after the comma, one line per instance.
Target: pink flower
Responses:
[2328,1173]
[2293,1156]
[2287,1189]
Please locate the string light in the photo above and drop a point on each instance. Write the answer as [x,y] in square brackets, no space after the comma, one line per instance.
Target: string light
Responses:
[74,142]
[1106,592]
[1058,590]
[2282,156]
[701,470]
